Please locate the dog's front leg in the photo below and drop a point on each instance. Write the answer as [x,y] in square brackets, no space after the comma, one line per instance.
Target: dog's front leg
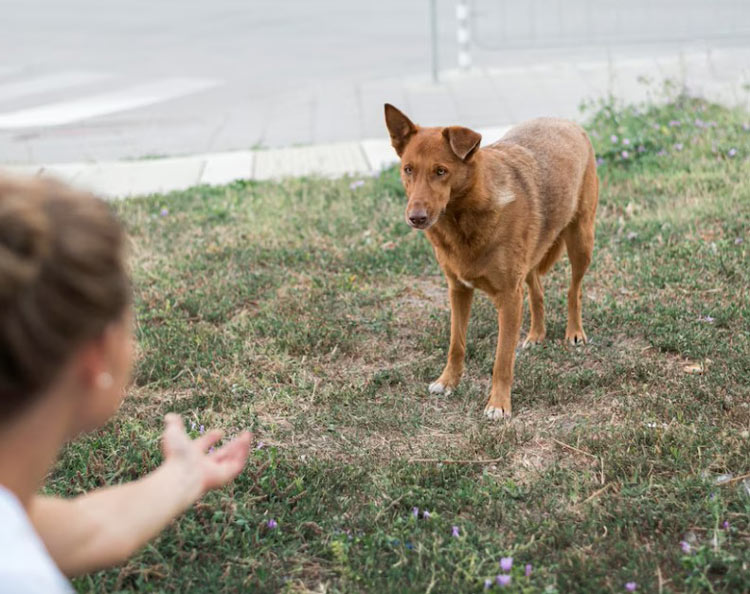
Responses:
[510,314]
[461,297]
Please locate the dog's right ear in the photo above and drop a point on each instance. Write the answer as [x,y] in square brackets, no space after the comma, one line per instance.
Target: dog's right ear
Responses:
[400,128]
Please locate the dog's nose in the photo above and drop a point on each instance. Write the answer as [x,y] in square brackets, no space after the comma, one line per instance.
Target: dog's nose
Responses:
[418,218]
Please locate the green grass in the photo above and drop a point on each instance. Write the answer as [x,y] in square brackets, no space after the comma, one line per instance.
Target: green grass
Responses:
[309,313]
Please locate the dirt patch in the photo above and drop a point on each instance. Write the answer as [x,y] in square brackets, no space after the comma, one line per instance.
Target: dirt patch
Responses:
[146,403]
[431,292]
[549,446]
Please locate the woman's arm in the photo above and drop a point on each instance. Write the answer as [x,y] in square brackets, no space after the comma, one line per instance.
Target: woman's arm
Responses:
[106,526]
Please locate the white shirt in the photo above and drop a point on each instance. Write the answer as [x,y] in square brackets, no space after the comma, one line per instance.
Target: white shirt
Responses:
[25,564]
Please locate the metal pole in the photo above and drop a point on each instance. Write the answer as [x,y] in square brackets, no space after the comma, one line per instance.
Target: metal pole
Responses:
[463,34]
[433,40]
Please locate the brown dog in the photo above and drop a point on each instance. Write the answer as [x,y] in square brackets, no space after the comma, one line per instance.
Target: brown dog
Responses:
[497,216]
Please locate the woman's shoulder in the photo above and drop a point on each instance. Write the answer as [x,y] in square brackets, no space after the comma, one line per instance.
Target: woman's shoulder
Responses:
[25,565]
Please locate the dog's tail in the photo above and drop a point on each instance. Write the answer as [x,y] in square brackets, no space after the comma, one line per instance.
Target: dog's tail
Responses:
[552,255]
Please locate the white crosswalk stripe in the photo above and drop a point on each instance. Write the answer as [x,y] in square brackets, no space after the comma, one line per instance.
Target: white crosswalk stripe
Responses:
[66,112]
[49,82]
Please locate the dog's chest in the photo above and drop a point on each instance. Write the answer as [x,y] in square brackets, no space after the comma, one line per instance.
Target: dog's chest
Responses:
[470,270]
[474,269]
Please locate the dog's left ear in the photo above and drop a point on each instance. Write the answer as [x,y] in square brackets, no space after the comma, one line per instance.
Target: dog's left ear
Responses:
[463,141]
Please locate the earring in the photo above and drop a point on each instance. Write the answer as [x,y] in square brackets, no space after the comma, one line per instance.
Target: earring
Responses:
[104,381]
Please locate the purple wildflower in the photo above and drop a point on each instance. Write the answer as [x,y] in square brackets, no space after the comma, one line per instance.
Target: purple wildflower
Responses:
[674,123]
[599,162]
[613,138]
[661,153]
[732,152]
[699,123]
[487,584]
[426,515]
[725,525]
[685,546]
[707,319]
[357,184]
[164,212]
[272,524]
[738,241]
[454,532]
[625,154]
[503,580]
[626,141]
[260,445]
[528,569]
[631,586]
[678,146]
[202,430]
[415,512]
[211,450]
[746,127]
[506,563]
[641,149]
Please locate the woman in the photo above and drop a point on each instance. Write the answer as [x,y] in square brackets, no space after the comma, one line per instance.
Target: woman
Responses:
[65,359]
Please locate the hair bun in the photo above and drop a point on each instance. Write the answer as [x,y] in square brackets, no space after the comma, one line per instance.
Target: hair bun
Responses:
[24,240]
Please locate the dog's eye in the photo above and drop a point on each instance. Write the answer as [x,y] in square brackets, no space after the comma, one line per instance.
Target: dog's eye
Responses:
[441,171]
[408,170]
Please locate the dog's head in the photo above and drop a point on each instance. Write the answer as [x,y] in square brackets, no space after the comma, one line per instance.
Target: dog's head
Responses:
[436,165]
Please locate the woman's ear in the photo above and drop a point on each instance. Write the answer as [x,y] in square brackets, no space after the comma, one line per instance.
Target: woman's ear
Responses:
[400,128]
[102,370]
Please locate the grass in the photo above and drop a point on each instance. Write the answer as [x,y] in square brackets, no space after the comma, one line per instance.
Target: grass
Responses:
[308,312]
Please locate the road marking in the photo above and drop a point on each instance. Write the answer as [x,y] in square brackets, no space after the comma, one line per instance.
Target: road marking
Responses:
[66,112]
[50,82]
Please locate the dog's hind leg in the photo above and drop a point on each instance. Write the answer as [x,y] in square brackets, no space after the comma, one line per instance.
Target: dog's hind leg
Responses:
[579,239]
[536,307]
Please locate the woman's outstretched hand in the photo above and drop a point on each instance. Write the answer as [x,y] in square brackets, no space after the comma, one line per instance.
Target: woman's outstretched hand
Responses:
[204,470]
[108,525]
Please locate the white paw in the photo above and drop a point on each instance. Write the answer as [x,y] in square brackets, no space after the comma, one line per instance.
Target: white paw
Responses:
[532,342]
[438,388]
[493,414]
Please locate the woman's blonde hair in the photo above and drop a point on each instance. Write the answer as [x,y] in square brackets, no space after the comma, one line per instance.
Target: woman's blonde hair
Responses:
[63,280]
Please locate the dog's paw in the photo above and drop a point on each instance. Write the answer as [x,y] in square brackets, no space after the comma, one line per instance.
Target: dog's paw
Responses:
[493,414]
[575,337]
[532,340]
[440,388]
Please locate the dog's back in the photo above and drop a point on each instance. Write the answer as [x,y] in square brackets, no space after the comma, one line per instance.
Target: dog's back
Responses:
[564,160]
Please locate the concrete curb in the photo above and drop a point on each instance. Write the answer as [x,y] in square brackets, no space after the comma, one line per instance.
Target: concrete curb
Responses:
[122,179]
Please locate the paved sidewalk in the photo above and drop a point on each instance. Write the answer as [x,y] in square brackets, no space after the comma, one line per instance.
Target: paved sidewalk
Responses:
[516,92]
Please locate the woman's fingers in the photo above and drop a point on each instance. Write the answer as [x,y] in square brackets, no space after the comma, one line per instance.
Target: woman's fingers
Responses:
[174,437]
[229,461]
[208,439]
[173,424]
[239,446]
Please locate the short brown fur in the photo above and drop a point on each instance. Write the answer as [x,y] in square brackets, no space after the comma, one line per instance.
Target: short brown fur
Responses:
[497,217]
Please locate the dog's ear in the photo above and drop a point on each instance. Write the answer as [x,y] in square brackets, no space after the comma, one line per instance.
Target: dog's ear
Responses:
[463,141]
[400,128]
